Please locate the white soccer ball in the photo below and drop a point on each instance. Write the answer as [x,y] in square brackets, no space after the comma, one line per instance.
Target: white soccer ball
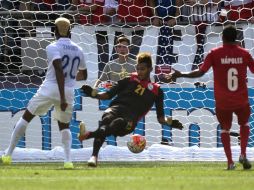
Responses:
[137,143]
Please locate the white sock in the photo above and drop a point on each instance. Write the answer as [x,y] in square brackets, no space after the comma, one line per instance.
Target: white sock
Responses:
[67,140]
[18,132]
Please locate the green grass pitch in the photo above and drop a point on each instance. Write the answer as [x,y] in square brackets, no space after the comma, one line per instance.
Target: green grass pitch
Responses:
[126,175]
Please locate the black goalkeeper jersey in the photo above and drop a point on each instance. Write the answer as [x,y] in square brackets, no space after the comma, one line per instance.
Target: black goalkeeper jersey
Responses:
[134,98]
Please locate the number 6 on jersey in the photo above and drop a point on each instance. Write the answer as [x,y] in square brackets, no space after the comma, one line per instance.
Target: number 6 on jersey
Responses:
[232,79]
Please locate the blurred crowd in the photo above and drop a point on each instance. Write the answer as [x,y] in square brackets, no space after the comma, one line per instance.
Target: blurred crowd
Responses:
[164,14]
[156,12]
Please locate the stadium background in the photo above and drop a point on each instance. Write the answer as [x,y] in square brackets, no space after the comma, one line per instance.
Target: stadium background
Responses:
[194,107]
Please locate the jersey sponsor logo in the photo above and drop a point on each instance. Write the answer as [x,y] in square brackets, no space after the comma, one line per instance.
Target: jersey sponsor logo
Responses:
[232,60]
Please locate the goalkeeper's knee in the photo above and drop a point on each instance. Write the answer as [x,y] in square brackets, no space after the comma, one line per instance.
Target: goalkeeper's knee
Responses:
[117,127]
[100,132]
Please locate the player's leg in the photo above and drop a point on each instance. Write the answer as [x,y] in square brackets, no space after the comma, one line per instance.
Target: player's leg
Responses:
[119,127]
[38,105]
[97,144]
[66,141]
[110,126]
[18,132]
[225,119]
[107,118]
[64,118]
[243,115]
[99,136]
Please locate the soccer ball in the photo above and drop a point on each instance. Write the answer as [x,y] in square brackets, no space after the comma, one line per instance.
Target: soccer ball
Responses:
[137,143]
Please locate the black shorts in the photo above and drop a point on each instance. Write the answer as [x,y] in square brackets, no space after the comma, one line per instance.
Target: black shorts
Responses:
[119,125]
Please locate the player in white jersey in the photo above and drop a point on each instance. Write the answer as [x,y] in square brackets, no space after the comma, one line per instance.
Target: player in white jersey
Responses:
[65,64]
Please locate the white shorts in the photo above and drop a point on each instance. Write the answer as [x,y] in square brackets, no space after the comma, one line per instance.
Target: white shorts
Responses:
[40,105]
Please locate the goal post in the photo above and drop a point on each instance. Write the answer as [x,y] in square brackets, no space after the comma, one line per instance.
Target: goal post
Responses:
[192,105]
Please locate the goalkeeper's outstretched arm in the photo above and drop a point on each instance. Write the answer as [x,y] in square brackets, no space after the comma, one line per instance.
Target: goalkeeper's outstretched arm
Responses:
[93,93]
[174,123]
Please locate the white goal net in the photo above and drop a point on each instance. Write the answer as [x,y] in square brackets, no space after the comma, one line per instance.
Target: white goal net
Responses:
[24,36]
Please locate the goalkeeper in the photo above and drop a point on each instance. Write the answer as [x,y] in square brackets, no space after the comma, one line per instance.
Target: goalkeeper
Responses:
[134,97]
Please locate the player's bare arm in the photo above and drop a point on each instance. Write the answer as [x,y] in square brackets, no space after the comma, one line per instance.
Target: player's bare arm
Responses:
[60,81]
[177,74]
[81,75]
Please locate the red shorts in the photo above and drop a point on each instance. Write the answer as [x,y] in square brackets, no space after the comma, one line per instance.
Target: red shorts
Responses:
[225,117]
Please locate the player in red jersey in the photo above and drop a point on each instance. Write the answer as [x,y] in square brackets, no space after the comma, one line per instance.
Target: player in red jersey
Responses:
[134,97]
[229,63]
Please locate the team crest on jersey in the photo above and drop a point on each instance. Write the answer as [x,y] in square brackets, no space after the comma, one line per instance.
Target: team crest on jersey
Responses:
[150,86]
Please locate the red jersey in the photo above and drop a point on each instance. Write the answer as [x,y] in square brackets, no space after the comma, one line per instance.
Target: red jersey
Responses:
[229,63]
[96,17]
[133,11]
[239,9]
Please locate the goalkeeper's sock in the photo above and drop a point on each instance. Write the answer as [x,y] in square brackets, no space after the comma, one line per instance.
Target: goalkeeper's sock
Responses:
[97,144]
[66,140]
[225,139]
[244,136]
[19,131]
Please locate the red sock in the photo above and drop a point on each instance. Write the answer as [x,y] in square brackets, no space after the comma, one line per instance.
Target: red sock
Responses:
[244,135]
[225,139]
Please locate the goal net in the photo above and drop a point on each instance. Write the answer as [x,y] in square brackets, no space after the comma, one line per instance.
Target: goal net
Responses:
[24,36]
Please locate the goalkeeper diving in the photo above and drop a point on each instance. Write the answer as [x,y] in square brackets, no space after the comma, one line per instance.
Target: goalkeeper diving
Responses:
[133,98]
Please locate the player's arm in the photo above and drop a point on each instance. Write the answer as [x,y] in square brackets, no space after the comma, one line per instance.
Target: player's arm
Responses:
[93,93]
[193,74]
[116,88]
[250,62]
[82,69]
[81,75]
[57,63]
[208,62]
[174,123]
[178,74]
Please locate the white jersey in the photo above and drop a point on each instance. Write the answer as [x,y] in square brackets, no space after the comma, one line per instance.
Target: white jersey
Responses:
[72,60]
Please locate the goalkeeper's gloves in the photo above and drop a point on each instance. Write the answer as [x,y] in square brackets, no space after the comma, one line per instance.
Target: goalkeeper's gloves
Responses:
[174,123]
[89,91]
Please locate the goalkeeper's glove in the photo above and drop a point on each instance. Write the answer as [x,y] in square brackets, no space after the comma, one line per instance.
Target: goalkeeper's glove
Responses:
[89,91]
[174,123]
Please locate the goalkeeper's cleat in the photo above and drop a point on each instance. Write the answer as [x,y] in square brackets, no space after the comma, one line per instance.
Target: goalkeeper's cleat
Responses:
[231,166]
[245,162]
[92,162]
[83,134]
[68,165]
[6,160]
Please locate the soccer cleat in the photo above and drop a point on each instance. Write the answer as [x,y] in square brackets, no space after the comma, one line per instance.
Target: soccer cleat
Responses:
[231,166]
[92,162]
[245,162]
[6,160]
[68,165]
[83,134]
